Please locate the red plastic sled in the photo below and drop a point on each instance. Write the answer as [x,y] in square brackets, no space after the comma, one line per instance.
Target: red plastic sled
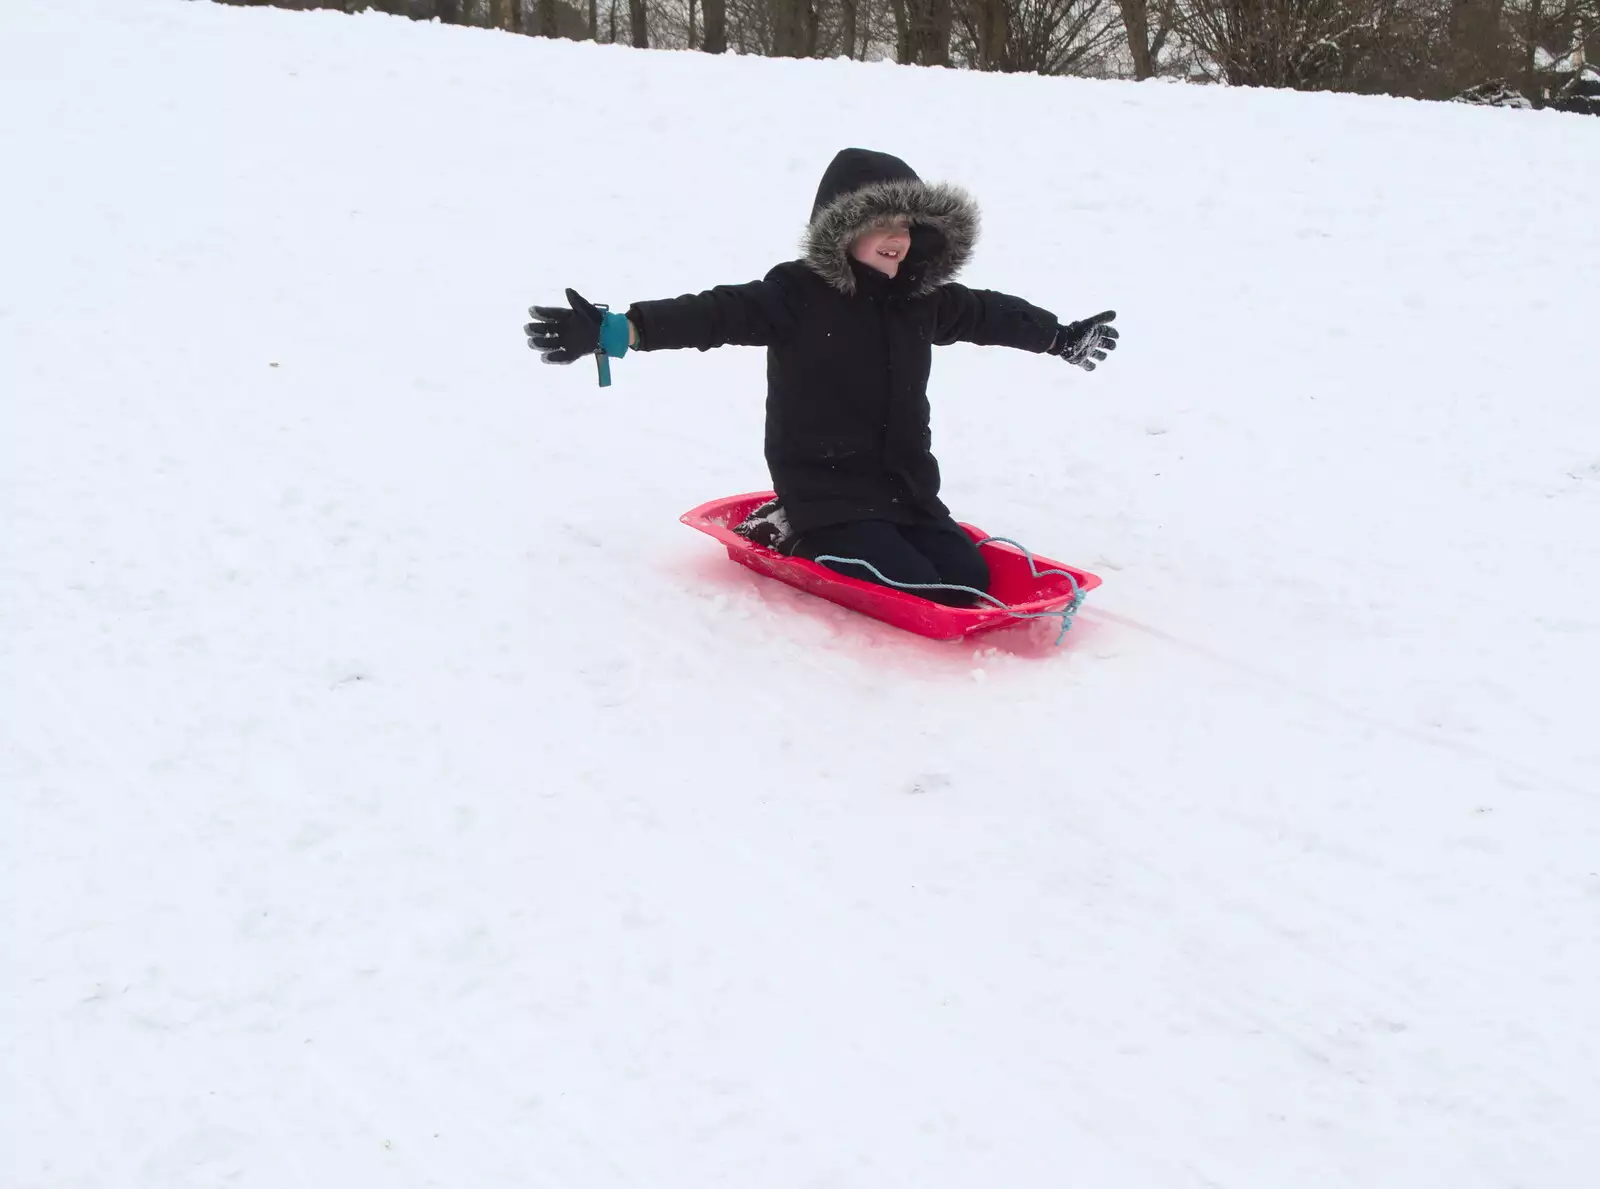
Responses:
[1012,580]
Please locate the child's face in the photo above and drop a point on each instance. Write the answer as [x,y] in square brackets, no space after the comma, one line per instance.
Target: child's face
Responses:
[884,245]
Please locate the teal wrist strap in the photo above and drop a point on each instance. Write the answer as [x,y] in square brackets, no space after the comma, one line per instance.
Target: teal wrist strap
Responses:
[615,331]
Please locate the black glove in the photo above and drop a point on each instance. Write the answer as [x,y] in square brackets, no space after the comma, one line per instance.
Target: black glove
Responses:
[1085,342]
[562,335]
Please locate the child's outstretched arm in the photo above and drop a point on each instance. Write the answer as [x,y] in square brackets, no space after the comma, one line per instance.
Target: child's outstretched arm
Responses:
[999,320]
[756,314]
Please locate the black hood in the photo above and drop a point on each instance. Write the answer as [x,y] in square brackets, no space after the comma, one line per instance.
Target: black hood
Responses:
[859,188]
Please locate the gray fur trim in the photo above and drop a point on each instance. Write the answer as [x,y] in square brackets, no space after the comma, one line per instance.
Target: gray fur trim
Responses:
[826,246]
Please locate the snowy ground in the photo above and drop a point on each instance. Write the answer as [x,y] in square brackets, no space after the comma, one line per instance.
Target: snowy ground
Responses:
[396,794]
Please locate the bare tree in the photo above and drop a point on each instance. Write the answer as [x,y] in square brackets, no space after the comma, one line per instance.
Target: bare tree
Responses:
[847,26]
[988,25]
[928,25]
[1563,30]
[1276,43]
[1136,20]
[716,38]
[1041,36]
[1478,40]
[902,32]
[795,28]
[750,26]
[1148,27]
[1424,48]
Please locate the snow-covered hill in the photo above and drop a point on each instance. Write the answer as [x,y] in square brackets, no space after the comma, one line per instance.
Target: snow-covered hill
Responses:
[396,794]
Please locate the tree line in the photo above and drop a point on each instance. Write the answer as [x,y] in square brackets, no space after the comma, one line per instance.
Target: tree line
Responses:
[1424,49]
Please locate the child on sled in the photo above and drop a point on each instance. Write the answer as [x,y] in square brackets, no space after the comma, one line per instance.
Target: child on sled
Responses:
[849,330]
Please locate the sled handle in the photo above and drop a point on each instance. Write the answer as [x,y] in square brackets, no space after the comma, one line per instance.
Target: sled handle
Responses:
[1066,614]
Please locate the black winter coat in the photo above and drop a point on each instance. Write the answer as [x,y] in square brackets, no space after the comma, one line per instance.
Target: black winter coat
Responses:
[849,350]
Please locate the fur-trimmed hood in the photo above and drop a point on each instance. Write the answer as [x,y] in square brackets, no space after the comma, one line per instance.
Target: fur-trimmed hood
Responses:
[859,188]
